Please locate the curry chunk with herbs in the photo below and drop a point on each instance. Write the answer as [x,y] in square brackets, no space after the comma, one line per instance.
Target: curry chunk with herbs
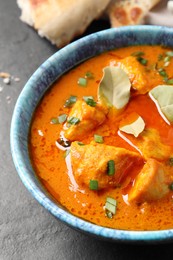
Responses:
[137,74]
[82,119]
[151,145]
[152,183]
[105,165]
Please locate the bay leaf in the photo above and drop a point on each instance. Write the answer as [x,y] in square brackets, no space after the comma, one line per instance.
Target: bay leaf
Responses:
[135,128]
[114,88]
[162,95]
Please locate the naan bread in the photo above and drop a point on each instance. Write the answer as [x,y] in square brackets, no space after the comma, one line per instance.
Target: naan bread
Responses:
[61,20]
[129,12]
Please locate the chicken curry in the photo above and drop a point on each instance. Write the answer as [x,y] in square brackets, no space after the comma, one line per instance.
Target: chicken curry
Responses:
[101,139]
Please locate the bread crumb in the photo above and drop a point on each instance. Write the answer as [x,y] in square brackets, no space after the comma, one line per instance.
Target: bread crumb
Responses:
[8,98]
[4,75]
[7,78]
[7,81]
[16,79]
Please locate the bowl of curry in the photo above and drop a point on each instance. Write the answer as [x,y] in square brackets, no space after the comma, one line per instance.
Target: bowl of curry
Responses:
[92,134]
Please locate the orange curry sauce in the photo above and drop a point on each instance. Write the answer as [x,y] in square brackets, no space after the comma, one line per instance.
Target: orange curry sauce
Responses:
[53,168]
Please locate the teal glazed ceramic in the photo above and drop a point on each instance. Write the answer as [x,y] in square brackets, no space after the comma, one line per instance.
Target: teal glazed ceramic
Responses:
[42,79]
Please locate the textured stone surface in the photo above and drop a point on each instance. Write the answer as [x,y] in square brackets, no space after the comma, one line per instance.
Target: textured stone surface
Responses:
[28,231]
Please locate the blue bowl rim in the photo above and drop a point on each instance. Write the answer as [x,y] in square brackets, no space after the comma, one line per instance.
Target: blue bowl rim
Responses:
[39,194]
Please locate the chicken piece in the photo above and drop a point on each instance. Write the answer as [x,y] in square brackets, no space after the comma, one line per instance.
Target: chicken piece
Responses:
[89,162]
[136,73]
[152,183]
[89,118]
[151,146]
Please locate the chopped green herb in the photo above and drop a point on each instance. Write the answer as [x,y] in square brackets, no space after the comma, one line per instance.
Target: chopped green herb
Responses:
[169,81]
[90,101]
[111,208]
[111,205]
[69,102]
[109,214]
[171,186]
[167,58]
[171,161]
[62,118]
[93,185]
[169,53]
[73,120]
[111,200]
[166,64]
[98,139]
[89,75]
[111,167]
[80,143]
[142,60]
[54,121]
[82,82]
[160,57]
[165,79]
[167,61]
[162,72]
[137,53]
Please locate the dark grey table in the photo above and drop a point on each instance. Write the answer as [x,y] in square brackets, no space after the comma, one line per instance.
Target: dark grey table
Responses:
[28,231]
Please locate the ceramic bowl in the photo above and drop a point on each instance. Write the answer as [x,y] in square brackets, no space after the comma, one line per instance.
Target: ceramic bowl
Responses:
[41,80]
